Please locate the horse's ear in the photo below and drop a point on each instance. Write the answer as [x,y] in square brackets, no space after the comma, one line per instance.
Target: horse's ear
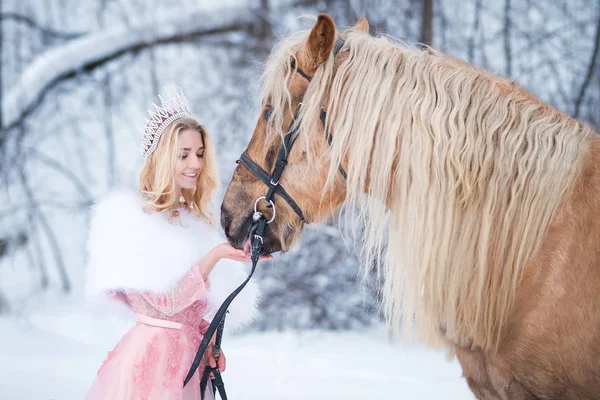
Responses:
[362,25]
[321,40]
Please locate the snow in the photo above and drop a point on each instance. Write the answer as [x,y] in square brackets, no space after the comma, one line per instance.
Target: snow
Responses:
[55,353]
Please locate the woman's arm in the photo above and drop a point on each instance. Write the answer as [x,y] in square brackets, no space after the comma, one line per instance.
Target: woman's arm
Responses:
[190,288]
[194,285]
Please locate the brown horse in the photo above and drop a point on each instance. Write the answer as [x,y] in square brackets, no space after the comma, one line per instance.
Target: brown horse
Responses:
[480,203]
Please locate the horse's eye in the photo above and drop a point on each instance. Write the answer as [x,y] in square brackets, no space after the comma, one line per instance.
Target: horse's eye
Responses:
[267,113]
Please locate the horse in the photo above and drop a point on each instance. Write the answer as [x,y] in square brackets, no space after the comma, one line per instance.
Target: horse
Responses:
[479,203]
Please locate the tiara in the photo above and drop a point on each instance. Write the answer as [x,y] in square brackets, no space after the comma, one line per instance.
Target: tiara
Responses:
[173,107]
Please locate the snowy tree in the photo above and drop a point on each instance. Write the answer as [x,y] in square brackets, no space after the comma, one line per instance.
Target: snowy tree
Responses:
[320,284]
[76,78]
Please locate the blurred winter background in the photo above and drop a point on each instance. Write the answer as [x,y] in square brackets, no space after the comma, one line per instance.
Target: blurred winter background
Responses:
[76,78]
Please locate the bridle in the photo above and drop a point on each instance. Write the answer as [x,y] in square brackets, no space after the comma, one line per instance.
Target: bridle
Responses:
[272,180]
[258,230]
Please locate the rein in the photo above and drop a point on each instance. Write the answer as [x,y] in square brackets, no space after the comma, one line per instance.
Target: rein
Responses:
[218,321]
[257,233]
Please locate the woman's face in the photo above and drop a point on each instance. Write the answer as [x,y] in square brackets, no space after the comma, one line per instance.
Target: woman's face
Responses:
[190,159]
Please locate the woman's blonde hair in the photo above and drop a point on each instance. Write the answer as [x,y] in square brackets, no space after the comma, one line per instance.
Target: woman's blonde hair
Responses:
[157,180]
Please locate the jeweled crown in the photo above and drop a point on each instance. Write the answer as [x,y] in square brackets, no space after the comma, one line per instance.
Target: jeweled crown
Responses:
[174,105]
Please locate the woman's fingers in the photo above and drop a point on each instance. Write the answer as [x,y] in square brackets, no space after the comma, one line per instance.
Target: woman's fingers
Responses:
[210,359]
[240,258]
[222,363]
[240,255]
[246,258]
[232,251]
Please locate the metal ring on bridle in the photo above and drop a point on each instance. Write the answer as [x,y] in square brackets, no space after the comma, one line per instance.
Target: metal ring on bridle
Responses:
[272,205]
[258,237]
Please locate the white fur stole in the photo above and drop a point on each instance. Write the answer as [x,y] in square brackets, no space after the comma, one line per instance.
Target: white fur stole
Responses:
[131,249]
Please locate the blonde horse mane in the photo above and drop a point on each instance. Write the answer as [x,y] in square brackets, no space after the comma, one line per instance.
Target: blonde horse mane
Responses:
[464,172]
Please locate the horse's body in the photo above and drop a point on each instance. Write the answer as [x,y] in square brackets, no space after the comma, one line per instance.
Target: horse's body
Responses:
[551,348]
[492,200]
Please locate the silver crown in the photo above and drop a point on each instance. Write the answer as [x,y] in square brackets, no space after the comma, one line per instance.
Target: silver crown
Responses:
[174,106]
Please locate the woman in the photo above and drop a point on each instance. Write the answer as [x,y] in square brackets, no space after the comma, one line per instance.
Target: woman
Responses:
[158,251]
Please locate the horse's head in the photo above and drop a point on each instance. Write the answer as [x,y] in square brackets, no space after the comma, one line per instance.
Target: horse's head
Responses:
[290,72]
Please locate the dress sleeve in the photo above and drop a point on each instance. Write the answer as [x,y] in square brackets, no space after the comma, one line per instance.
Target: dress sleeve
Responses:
[190,288]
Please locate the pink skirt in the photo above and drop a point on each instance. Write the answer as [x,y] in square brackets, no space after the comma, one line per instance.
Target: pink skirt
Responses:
[150,362]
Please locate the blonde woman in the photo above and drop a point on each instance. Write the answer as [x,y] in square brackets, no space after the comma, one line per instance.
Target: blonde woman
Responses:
[157,250]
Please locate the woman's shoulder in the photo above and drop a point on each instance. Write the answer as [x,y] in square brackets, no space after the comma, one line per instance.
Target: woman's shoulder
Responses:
[127,242]
[118,202]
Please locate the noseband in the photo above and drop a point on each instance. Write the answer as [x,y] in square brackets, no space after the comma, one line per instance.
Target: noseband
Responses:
[272,180]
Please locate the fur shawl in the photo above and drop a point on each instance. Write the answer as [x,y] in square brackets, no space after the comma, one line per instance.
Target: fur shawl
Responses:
[131,249]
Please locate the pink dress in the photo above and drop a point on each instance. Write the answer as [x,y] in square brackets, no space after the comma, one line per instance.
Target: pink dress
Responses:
[151,360]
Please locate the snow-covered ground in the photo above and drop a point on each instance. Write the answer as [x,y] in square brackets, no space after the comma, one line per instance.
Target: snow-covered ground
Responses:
[54,354]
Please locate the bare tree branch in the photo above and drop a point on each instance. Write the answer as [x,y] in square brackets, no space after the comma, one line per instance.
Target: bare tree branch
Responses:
[35,243]
[559,84]
[303,3]
[266,29]
[67,173]
[41,259]
[4,306]
[11,16]
[108,132]
[52,240]
[45,203]
[477,19]
[1,85]
[590,72]
[507,43]
[427,22]
[90,52]
[443,44]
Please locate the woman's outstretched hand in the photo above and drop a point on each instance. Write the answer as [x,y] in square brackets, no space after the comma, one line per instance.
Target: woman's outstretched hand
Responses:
[226,250]
[221,251]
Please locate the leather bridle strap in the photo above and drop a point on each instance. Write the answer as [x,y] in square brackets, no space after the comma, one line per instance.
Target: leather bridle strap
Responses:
[272,181]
